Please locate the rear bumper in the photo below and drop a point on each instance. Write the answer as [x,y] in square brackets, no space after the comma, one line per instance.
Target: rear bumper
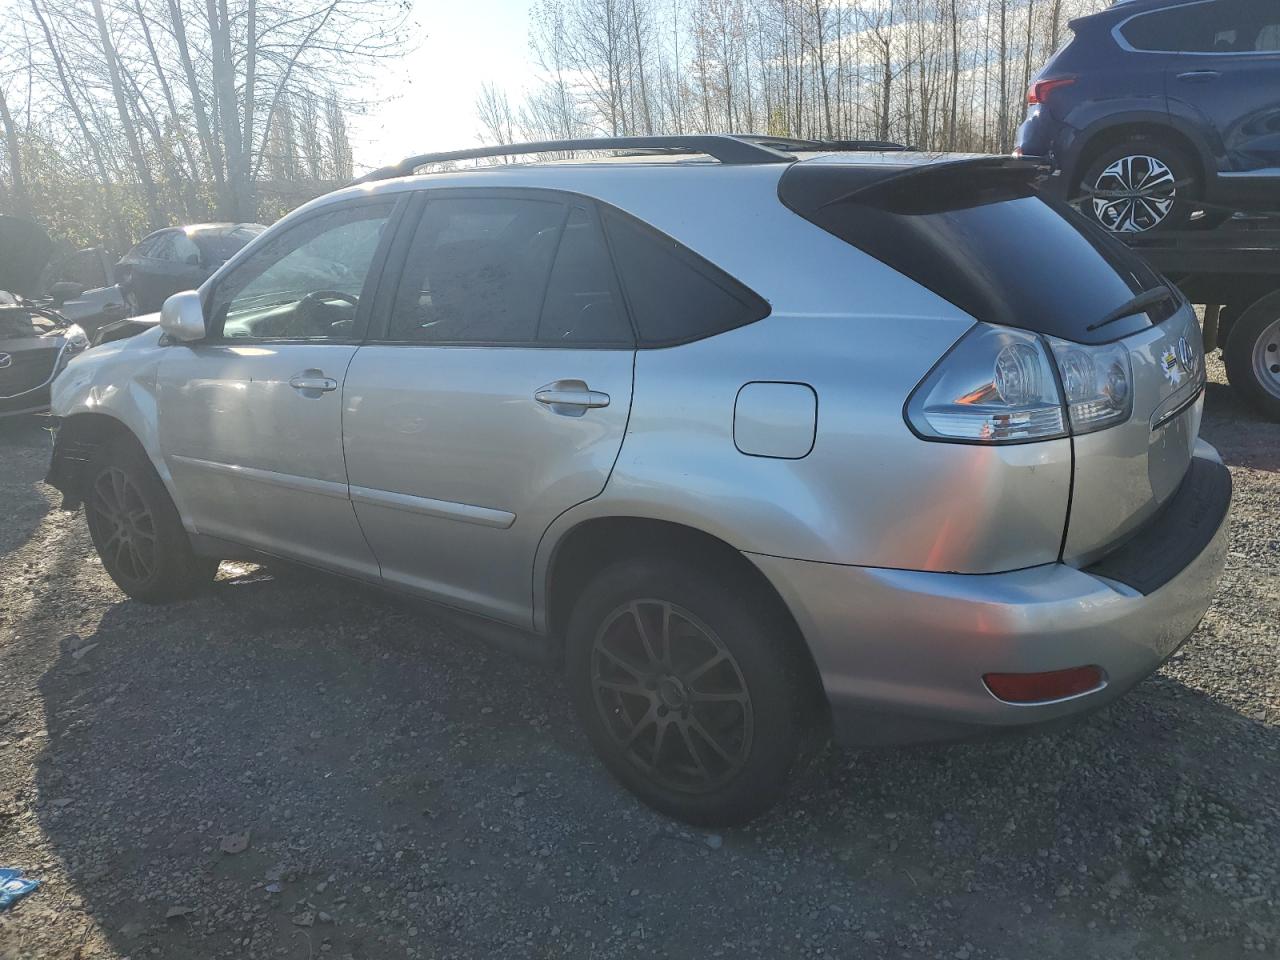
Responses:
[902,653]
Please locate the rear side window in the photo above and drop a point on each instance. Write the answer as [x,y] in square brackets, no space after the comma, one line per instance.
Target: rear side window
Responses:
[476,271]
[582,303]
[981,237]
[675,296]
[1225,26]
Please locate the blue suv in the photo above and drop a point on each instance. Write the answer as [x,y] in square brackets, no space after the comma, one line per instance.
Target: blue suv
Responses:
[1160,110]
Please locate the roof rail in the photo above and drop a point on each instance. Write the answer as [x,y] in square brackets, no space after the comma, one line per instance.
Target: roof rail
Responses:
[726,149]
[792,143]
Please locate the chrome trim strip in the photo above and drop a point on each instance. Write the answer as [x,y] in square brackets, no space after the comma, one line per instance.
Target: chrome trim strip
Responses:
[323,488]
[1245,174]
[1185,404]
[445,509]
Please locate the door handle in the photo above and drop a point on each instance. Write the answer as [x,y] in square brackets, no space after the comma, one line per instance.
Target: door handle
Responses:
[313,383]
[570,398]
[1199,76]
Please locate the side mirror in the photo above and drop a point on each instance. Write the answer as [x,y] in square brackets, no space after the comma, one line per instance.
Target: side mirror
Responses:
[65,290]
[182,316]
[193,260]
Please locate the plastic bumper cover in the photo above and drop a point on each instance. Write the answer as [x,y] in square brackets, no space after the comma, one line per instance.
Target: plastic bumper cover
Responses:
[901,653]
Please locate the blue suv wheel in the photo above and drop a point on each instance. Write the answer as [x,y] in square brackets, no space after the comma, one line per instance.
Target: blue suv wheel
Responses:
[1138,185]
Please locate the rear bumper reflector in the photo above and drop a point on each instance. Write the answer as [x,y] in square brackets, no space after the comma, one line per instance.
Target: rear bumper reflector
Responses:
[1043,687]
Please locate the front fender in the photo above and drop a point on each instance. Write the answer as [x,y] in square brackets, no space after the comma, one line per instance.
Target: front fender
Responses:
[116,381]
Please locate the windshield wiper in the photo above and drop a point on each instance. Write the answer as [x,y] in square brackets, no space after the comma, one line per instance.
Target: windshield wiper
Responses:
[1142,302]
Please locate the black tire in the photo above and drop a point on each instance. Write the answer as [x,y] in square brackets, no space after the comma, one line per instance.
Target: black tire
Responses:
[673,765]
[1152,158]
[136,530]
[1252,355]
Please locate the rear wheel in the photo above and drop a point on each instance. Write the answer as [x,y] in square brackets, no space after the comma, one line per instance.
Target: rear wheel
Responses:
[1139,185]
[136,530]
[688,687]
[1252,355]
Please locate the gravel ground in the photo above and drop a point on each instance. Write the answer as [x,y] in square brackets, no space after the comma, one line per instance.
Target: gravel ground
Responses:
[407,791]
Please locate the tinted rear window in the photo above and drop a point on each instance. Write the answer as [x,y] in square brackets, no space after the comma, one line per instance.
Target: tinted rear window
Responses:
[675,296]
[983,239]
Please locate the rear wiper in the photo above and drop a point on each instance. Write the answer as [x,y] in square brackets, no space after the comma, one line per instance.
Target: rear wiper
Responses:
[1142,302]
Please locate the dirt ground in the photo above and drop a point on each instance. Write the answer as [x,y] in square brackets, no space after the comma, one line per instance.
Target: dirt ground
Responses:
[407,791]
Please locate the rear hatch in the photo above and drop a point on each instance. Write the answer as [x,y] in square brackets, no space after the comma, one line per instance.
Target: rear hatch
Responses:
[975,231]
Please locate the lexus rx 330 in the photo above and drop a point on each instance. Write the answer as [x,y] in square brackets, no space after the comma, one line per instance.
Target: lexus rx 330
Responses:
[757,436]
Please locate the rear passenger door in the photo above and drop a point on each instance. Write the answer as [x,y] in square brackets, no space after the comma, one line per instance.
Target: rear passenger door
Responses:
[493,397]
[1223,63]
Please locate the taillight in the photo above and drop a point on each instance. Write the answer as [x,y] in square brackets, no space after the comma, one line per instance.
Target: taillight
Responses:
[1001,385]
[1042,687]
[1040,89]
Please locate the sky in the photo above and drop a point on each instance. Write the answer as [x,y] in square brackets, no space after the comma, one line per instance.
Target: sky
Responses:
[427,100]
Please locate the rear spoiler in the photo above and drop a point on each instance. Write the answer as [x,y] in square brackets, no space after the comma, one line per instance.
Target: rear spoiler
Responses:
[807,188]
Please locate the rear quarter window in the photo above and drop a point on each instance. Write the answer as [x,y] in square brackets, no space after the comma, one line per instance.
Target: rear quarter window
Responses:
[675,295]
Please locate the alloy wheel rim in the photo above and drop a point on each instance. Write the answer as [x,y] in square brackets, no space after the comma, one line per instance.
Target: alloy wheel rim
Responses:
[1266,359]
[1143,194]
[126,527]
[672,695]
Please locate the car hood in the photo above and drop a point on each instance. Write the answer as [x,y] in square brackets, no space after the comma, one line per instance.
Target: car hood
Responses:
[25,250]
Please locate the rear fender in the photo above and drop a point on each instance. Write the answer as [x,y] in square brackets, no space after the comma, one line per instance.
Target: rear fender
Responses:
[1095,120]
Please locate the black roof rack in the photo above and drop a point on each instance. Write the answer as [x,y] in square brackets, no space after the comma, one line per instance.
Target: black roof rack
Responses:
[726,149]
[731,149]
[791,143]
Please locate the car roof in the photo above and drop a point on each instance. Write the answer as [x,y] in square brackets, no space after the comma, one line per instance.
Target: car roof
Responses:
[195,229]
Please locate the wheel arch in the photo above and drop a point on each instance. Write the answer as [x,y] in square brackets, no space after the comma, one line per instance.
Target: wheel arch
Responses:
[593,543]
[1105,134]
[80,436]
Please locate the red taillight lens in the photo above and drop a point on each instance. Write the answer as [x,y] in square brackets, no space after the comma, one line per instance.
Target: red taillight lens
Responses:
[1039,687]
[1040,89]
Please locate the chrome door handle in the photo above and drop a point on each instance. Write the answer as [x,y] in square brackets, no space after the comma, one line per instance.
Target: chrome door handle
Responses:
[572,398]
[1199,76]
[312,381]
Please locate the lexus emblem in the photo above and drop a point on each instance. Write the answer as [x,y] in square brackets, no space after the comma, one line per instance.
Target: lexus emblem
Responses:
[6,360]
[1186,355]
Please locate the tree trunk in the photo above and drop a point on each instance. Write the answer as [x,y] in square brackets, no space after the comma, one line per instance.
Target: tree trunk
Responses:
[21,199]
[126,120]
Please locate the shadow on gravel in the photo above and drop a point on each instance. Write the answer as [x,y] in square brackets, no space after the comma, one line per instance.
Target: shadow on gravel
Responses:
[22,505]
[407,789]
[1233,426]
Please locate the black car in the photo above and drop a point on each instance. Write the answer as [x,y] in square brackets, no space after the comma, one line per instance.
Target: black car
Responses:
[1157,108]
[36,339]
[178,258]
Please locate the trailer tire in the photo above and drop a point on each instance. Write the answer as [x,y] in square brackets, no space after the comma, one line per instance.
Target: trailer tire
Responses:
[1252,355]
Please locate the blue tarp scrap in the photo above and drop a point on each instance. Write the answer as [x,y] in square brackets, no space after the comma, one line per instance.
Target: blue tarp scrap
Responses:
[14,886]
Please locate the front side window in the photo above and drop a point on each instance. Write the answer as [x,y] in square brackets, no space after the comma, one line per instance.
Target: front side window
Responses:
[306,282]
[504,270]
[183,249]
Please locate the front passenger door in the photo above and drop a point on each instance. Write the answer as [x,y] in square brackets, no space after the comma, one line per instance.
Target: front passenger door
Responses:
[494,398]
[251,417]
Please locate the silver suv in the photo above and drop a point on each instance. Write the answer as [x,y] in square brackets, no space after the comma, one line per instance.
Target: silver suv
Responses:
[759,436]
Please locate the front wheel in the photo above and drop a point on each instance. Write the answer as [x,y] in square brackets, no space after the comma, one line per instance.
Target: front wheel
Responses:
[1252,355]
[688,687]
[136,529]
[1140,185]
